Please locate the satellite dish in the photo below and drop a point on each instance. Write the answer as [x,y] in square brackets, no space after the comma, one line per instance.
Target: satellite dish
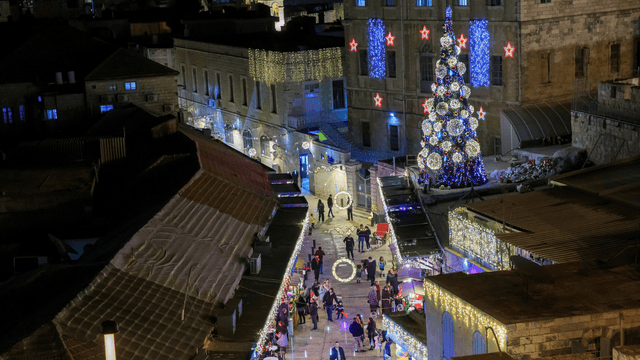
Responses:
[539,281]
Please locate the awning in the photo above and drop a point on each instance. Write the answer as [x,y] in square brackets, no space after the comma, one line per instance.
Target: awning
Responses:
[535,122]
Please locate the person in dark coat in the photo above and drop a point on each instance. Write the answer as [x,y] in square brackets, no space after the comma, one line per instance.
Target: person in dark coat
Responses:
[330,205]
[315,266]
[320,211]
[337,353]
[349,243]
[367,234]
[283,312]
[372,299]
[350,212]
[386,300]
[320,253]
[328,300]
[392,278]
[371,270]
[371,332]
[313,312]
[357,332]
[301,305]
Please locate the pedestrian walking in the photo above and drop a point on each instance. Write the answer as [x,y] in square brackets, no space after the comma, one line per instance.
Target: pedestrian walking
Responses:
[386,300]
[381,264]
[392,277]
[324,288]
[371,271]
[328,300]
[312,221]
[357,332]
[361,238]
[315,266]
[320,211]
[320,253]
[371,333]
[358,273]
[337,352]
[372,299]
[367,234]
[301,305]
[349,243]
[330,205]
[313,312]
[350,212]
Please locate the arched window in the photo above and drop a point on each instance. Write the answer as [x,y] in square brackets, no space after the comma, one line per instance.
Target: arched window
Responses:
[264,145]
[479,346]
[448,347]
[247,139]
[427,67]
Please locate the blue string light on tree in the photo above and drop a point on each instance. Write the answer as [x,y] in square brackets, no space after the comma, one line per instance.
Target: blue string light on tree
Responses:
[479,51]
[377,49]
[450,143]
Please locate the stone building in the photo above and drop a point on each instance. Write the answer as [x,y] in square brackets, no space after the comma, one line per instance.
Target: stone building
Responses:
[562,309]
[272,96]
[607,127]
[555,44]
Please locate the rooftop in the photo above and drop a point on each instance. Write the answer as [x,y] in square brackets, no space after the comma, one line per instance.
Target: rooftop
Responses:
[579,288]
[124,63]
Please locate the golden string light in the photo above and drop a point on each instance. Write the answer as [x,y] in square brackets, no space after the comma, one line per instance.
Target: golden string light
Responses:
[273,67]
[400,336]
[391,231]
[462,310]
[335,267]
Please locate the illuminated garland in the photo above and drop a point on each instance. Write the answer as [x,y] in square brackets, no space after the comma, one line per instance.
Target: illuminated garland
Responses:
[464,311]
[400,336]
[282,292]
[273,67]
[335,267]
[475,240]
[391,231]
[377,50]
[479,51]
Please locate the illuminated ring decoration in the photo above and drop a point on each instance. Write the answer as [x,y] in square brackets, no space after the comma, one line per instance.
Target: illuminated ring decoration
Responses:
[348,202]
[305,145]
[252,152]
[338,262]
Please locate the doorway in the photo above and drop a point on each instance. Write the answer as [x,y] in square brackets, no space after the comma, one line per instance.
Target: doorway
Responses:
[363,188]
[304,171]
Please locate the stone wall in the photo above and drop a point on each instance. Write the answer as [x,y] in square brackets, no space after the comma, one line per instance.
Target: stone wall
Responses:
[604,139]
[620,98]
[554,337]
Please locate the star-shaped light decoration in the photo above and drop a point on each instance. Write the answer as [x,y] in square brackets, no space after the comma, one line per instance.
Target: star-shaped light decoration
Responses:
[354,45]
[390,39]
[378,100]
[481,113]
[462,42]
[508,50]
[425,33]
[425,106]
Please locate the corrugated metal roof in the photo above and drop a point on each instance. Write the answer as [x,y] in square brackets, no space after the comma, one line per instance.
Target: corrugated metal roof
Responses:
[535,122]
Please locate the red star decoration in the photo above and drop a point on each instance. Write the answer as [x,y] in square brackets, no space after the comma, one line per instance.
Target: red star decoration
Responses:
[425,33]
[354,45]
[462,42]
[425,106]
[508,50]
[390,39]
[481,113]
[378,100]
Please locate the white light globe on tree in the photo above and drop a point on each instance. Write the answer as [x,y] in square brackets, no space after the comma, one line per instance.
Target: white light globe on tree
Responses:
[455,127]
[473,123]
[434,161]
[473,148]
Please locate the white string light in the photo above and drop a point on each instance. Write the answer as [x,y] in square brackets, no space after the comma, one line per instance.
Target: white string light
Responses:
[391,231]
[273,67]
[400,336]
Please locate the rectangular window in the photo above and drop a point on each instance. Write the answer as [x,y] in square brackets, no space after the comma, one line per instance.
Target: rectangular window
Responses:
[579,61]
[366,134]
[244,92]
[105,108]
[389,3]
[206,82]
[113,87]
[361,3]
[274,100]
[7,115]
[130,85]
[615,58]
[258,97]
[393,138]
[311,90]
[184,77]
[463,2]
[23,113]
[545,1]
[218,86]
[231,96]
[494,2]
[52,114]
[364,63]
[338,94]
[194,85]
[545,68]
[391,64]
[464,58]
[496,70]
[424,2]
[426,72]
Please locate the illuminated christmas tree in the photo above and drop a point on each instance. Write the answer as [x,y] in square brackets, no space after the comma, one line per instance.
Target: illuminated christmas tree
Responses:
[450,144]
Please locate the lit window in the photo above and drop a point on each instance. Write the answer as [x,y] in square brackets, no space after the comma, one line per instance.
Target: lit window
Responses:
[52,114]
[130,85]
[113,87]
[361,3]
[463,2]
[105,108]
[23,115]
[424,2]
[7,115]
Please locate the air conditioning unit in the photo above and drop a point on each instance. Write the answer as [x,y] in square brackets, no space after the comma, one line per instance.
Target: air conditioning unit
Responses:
[123,97]
[152,98]
[167,108]
[255,263]
[106,98]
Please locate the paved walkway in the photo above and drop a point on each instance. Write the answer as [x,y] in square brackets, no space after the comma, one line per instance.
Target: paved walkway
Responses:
[329,235]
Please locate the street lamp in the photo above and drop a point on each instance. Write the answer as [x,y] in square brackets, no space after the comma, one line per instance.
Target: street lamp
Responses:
[109,328]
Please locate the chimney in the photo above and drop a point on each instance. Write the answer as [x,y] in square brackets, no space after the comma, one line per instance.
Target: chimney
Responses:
[59,78]
[72,77]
